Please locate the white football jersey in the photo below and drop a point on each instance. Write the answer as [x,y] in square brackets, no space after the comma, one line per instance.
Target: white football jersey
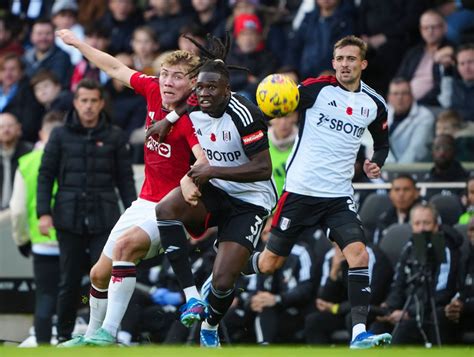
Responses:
[229,141]
[332,121]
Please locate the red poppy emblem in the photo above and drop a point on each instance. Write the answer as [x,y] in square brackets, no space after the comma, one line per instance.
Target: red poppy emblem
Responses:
[213,137]
[349,111]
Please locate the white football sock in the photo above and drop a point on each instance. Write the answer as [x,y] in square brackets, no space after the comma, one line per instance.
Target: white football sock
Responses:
[98,307]
[121,287]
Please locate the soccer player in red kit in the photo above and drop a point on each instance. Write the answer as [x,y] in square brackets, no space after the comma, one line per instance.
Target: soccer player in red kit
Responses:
[135,235]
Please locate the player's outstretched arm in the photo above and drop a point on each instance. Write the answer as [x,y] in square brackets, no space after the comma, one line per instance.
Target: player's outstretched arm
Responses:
[109,64]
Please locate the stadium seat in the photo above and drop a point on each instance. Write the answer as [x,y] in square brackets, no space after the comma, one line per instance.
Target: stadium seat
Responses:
[371,209]
[448,206]
[395,238]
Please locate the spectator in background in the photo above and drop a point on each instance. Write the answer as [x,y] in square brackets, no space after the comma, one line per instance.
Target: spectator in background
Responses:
[466,216]
[196,33]
[11,149]
[64,16]
[167,18]
[281,137]
[459,17]
[28,238]
[209,16]
[457,93]
[423,64]
[45,54]
[423,218]
[411,125]
[403,195]
[145,47]
[389,27]
[449,122]
[249,51]
[98,37]
[9,27]
[446,167]
[49,94]
[16,97]
[121,19]
[310,47]
[91,11]
[90,159]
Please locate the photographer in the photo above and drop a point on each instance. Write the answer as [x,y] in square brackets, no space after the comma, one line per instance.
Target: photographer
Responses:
[436,277]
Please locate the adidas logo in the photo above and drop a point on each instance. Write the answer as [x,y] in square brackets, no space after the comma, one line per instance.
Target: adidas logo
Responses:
[333,104]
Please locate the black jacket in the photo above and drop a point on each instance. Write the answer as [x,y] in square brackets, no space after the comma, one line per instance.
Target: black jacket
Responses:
[88,165]
[444,276]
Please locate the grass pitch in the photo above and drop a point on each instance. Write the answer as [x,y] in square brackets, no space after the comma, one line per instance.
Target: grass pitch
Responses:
[274,351]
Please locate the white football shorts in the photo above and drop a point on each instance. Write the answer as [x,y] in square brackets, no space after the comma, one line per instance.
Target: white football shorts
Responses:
[141,214]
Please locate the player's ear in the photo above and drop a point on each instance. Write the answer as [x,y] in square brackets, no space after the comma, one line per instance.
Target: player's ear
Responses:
[364,64]
[333,64]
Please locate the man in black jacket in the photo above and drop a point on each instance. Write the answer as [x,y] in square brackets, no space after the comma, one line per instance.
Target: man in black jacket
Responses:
[89,159]
[410,275]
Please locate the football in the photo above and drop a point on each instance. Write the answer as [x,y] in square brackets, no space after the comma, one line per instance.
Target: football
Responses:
[277,95]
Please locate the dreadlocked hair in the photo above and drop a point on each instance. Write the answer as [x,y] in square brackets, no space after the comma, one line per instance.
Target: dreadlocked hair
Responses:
[213,56]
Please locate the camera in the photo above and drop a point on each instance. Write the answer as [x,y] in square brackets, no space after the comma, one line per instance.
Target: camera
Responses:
[429,248]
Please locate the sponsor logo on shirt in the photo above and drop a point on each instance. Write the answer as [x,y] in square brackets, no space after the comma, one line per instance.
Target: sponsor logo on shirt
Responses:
[226,156]
[161,149]
[251,138]
[341,126]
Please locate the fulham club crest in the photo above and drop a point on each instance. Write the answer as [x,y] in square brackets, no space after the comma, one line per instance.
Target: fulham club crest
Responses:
[226,136]
[284,223]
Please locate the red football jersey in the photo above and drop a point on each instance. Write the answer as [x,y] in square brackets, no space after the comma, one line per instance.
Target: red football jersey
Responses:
[168,162]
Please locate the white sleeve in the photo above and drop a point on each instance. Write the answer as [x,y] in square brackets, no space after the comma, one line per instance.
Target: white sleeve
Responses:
[18,210]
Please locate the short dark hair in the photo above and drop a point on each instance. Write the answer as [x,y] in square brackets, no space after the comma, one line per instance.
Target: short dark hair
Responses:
[406,177]
[465,47]
[91,84]
[44,75]
[398,80]
[43,21]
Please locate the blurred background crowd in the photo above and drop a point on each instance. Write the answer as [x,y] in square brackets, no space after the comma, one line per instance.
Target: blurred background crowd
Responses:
[421,59]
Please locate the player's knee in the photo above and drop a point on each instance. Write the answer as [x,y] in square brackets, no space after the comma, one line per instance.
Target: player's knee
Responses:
[165,211]
[356,255]
[99,277]
[124,249]
[269,264]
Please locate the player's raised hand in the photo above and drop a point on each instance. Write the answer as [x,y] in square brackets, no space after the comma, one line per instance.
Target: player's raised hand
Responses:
[371,169]
[68,37]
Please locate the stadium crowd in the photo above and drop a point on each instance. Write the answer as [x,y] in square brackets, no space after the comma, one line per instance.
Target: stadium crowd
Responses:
[421,58]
